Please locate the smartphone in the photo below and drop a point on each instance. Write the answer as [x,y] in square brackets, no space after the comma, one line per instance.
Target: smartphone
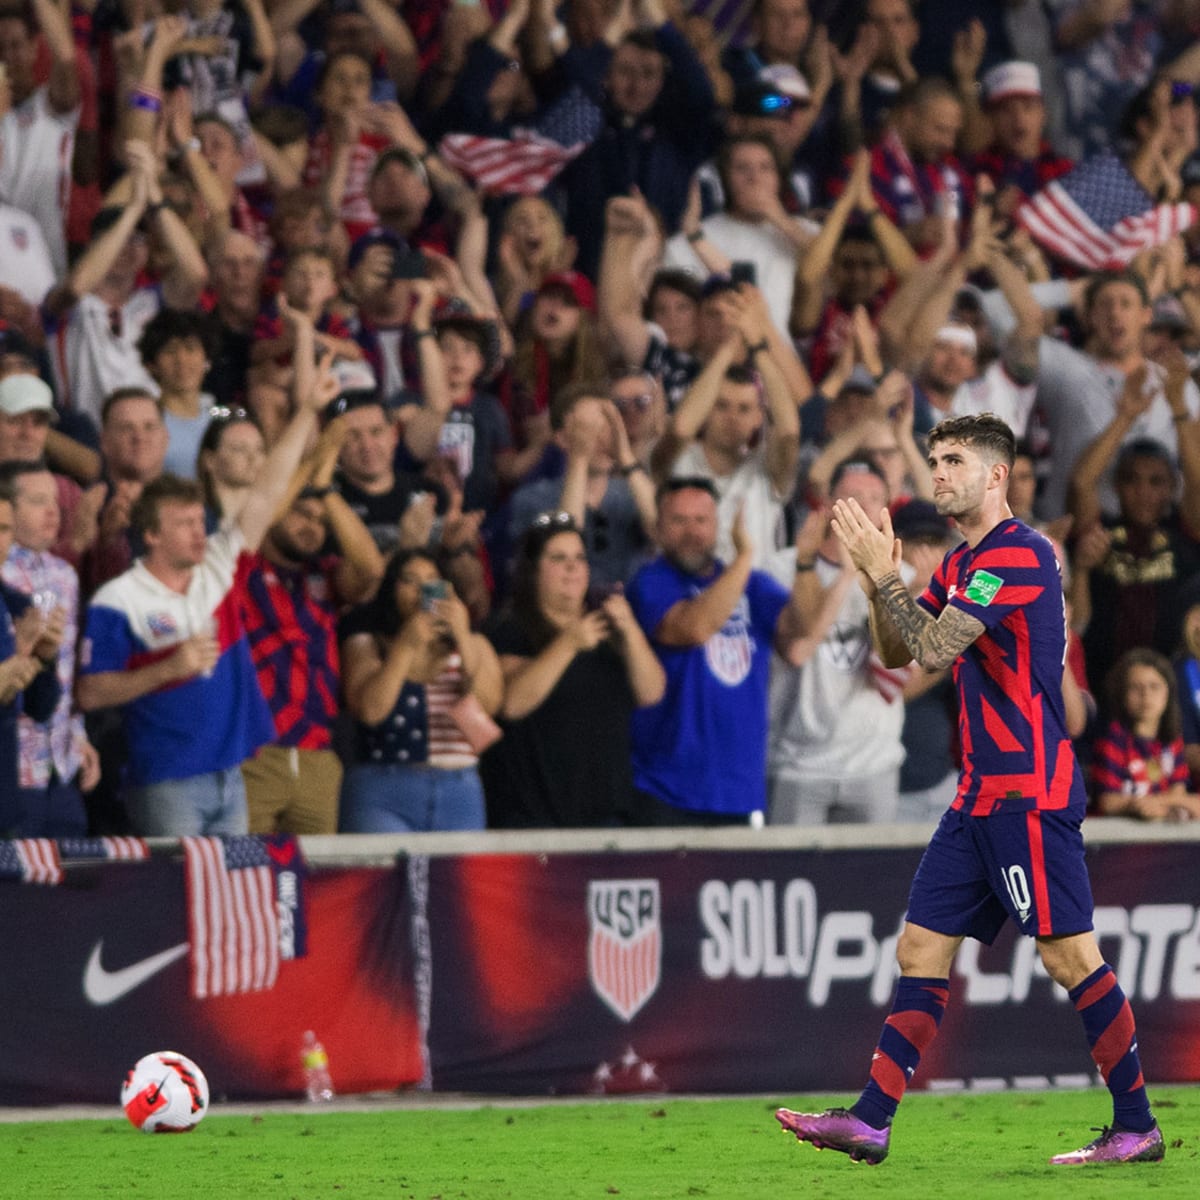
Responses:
[409,264]
[743,272]
[432,592]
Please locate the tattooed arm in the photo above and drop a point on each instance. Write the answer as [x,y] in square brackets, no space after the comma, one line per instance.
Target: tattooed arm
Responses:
[903,630]
[900,628]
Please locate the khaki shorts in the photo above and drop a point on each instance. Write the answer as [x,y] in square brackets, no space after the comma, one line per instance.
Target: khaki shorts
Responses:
[292,791]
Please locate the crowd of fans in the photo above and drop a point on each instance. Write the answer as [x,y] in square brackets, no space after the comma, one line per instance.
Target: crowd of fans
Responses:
[425,416]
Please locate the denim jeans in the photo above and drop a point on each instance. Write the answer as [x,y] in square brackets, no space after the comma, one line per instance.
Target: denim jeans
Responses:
[213,803]
[384,798]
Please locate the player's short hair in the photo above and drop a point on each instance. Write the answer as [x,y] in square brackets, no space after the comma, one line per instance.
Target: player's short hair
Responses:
[983,432]
[166,489]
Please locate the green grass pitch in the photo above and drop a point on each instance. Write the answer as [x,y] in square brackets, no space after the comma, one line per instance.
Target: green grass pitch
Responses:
[948,1146]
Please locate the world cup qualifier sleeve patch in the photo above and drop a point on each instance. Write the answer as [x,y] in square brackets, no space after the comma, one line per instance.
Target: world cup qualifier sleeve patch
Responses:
[983,588]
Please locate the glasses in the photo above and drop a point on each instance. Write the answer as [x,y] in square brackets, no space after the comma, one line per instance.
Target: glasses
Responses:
[641,402]
[559,520]
[223,412]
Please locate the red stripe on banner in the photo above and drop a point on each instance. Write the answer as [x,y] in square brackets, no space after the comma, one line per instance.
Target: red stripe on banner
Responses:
[1037,863]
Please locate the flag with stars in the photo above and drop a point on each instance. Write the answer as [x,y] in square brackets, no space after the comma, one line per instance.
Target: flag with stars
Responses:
[30,860]
[1099,217]
[525,163]
[131,849]
[234,915]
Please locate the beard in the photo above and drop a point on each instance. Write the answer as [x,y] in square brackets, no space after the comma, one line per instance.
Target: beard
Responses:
[694,562]
[288,549]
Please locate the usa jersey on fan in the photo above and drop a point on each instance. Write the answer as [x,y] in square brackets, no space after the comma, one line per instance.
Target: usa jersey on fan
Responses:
[1016,752]
[197,725]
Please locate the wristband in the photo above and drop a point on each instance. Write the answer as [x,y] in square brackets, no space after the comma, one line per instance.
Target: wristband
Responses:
[418,334]
[426,154]
[757,348]
[697,235]
[801,565]
[315,492]
[625,472]
[152,210]
[145,101]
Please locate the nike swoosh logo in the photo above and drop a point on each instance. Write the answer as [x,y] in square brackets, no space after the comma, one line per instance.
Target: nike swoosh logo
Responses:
[103,987]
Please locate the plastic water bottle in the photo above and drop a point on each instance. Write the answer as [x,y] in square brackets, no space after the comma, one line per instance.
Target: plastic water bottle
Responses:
[318,1087]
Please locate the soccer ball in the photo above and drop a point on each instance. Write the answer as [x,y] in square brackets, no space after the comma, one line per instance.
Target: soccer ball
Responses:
[165,1093]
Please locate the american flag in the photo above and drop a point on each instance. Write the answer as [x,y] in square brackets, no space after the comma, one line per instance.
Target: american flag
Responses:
[1099,217]
[123,848]
[232,919]
[31,860]
[525,163]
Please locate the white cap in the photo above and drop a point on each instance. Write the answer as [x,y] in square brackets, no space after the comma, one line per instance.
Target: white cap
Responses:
[787,80]
[958,335]
[26,393]
[1011,79]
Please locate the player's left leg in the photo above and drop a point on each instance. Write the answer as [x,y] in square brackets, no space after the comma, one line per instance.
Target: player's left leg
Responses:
[864,1130]
[1075,962]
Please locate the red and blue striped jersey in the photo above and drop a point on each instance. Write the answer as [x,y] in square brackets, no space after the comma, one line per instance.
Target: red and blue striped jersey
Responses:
[1016,754]
[290,617]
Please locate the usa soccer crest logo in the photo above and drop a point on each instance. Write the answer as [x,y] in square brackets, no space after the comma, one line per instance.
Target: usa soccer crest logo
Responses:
[625,942]
[162,624]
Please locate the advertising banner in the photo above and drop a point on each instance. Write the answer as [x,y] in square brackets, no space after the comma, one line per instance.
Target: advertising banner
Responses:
[710,971]
[698,970]
[97,972]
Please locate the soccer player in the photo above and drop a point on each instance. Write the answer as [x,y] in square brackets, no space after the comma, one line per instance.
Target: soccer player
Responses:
[1010,844]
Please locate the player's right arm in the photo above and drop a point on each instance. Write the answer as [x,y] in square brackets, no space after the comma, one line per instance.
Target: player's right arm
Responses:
[934,641]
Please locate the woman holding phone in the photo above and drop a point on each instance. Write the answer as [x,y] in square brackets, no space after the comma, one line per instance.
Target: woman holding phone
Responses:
[574,672]
[421,688]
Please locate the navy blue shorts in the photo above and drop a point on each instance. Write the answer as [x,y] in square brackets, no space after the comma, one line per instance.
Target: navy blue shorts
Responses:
[978,871]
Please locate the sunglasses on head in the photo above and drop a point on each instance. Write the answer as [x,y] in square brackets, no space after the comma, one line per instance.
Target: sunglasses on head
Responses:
[641,402]
[560,519]
[223,412]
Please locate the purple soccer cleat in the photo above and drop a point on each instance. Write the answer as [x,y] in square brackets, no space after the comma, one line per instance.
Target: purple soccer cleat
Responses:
[838,1129]
[1117,1146]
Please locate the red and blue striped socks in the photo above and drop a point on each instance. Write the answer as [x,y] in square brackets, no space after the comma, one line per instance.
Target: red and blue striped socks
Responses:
[910,1028]
[1112,1036]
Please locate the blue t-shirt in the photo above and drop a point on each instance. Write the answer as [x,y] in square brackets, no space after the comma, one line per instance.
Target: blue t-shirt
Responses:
[1016,754]
[704,745]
